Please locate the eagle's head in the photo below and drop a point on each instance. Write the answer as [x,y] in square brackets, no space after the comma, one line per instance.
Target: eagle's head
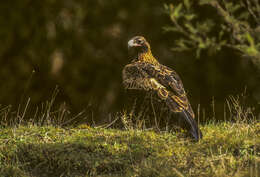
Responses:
[139,43]
[142,49]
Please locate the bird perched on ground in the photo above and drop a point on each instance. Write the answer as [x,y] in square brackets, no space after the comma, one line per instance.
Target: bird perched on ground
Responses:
[146,73]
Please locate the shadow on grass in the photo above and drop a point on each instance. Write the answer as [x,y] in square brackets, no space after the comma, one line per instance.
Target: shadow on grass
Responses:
[86,157]
[66,159]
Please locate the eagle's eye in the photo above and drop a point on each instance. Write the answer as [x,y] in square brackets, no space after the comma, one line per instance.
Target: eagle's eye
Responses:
[138,41]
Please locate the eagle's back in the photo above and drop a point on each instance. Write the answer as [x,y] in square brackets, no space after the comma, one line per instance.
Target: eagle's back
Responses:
[161,79]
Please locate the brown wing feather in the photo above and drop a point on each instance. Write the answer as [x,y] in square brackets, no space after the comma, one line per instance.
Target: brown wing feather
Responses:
[168,86]
[171,83]
[135,78]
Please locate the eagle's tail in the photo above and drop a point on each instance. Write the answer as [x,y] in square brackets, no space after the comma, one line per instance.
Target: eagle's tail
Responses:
[191,125]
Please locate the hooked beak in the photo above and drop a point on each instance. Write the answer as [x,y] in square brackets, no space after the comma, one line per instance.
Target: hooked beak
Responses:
[132,44]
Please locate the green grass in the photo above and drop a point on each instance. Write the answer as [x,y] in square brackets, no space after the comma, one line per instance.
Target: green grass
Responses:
[228,149]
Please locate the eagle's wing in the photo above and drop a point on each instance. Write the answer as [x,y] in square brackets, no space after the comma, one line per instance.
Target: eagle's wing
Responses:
[167,84]
[163,80]
[170,80]
[135,77]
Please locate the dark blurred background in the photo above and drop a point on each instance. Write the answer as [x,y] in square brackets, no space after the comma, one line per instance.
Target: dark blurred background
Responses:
[81,47]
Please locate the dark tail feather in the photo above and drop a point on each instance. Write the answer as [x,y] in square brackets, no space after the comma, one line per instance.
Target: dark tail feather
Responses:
[191,125]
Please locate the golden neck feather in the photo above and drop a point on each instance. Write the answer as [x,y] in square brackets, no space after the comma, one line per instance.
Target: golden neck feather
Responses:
[147,56]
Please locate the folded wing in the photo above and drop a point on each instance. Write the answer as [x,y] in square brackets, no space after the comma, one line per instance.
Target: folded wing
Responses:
[168,86]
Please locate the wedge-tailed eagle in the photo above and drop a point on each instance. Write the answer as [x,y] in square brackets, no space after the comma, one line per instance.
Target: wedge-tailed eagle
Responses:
[146,73]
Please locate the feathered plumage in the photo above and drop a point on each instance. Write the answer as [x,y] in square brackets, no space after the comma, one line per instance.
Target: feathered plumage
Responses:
[146,73]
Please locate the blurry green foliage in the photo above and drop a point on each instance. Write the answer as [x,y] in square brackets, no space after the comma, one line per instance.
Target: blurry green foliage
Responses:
[81,46]
[224,35]
[237,27]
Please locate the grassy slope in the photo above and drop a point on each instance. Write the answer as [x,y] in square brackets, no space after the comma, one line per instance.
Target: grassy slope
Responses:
[226,150]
